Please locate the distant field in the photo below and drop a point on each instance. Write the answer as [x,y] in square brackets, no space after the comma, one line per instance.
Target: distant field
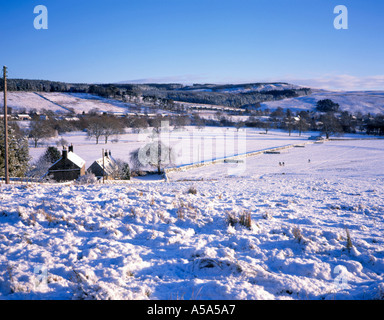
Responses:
[63,102]
[354,101]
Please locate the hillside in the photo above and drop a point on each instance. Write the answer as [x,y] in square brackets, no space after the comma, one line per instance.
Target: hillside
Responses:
[351,101]
[64,102]
[238,96]
[117,98]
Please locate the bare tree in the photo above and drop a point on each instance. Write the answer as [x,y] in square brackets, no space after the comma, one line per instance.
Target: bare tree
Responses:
[112,127]
[182,121]
[302,124]
[62,142]
[95,128]
[158,123]
[155,154]
[330,125]
[139,123]
[289,121]
[265,125]
[198,121]
[40,129]
[239,124]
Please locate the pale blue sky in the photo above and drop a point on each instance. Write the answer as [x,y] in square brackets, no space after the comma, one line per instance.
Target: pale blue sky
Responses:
[196,41]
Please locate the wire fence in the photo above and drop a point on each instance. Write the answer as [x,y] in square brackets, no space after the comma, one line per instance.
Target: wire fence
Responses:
[28,180]
[25,181]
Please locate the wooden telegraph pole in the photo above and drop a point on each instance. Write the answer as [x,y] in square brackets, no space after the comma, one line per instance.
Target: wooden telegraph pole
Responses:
[102,154]
[6,169]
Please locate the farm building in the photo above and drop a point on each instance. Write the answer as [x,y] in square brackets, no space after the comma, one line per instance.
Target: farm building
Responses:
[69,167]
[23,117]
[105,167]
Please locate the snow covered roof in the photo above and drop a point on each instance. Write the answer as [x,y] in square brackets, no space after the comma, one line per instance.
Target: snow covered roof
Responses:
[109,164]
[76,159]
[73,157]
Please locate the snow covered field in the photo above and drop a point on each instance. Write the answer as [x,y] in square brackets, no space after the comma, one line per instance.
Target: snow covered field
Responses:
[60,102]
[317,231]
[190,145]
[351,101]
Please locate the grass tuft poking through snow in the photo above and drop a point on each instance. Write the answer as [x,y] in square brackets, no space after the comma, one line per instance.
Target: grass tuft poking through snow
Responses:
[192,190]
[349,244]
[297,234]
[243,218]
[186,209]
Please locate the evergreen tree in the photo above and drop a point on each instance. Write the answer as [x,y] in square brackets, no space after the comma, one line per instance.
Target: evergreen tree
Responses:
[40,167]
[18,152]
[327,105]
[51,155]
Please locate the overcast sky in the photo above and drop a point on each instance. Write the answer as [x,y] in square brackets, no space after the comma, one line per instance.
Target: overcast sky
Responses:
[196,41]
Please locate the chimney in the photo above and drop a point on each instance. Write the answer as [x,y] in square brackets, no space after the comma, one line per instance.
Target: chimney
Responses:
[70,148]
[65,153]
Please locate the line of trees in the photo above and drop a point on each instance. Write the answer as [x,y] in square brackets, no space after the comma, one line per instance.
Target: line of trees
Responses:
[103,128]
[327,119]
[327,123]
[107,128]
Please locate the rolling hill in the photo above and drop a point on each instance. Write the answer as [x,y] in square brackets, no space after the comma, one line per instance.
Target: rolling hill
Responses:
[26,95]
[351,101]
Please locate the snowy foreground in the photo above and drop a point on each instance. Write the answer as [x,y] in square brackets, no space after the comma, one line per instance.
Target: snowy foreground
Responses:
[317,232]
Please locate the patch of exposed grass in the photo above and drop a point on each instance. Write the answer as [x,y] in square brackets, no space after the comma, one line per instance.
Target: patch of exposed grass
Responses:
[243,218]
[349,244]
[297,234]
[192,190]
